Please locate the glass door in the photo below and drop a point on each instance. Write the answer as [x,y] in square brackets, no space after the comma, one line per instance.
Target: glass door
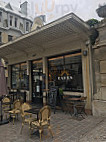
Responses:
[37,70]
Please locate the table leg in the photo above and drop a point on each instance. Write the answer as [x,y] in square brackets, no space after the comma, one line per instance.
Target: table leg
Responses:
[75,111]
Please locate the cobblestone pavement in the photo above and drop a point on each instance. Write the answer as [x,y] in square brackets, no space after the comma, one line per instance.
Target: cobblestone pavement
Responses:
[65,129]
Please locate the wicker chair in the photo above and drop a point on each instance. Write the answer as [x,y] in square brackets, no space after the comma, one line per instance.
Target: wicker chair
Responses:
[26,117]
[16,109]
[6,106]
[81,106]
[43,121]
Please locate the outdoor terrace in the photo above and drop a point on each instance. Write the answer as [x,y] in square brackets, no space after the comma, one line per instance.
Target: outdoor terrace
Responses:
[65,129]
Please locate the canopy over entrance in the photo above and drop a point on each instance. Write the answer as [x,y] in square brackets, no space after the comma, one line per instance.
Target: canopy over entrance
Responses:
[59,32]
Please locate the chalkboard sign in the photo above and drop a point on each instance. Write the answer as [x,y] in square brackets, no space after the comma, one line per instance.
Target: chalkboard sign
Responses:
[52,98]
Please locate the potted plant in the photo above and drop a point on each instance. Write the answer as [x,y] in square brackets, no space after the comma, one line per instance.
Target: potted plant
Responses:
[60,91]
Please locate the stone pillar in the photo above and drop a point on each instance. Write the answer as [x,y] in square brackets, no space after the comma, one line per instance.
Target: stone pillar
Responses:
[86,61]
[4,37]
[45,71]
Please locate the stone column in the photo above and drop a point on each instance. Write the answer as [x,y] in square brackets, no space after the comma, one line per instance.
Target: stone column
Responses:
[87,75]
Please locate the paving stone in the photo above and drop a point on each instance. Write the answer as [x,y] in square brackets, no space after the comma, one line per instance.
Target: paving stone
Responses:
[65,129]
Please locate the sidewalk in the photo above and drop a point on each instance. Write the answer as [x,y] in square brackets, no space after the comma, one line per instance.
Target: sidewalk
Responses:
[65,129]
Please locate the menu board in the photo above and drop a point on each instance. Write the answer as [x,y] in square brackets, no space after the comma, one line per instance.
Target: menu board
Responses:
[52,98]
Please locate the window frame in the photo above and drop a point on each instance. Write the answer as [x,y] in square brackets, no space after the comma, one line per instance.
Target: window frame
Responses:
[16,22]
[1,16]
[27,26]
[10,38]
[20,72]
[11,20]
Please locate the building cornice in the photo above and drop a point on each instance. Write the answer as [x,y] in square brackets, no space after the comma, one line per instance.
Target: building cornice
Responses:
[14,13]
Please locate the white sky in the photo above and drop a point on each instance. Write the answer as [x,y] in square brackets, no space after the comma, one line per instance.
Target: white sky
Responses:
[53,9]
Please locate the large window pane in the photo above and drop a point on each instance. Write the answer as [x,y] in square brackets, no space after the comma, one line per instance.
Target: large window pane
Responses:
[66,72]
[19,76]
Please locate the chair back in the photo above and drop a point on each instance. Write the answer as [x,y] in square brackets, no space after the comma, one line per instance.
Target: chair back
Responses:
[25,106]
[44,114]
[83,98]
[5,100]
[5,106]
[17,104]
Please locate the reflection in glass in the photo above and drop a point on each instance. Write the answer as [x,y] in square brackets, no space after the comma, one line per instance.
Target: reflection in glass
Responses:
[37,71]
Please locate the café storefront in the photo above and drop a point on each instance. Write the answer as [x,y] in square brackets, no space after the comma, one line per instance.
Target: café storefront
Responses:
[58,51]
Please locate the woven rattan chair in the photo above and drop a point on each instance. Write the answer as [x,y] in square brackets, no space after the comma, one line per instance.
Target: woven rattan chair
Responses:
[16,109]
[43,121]
[26,117]
[6,106]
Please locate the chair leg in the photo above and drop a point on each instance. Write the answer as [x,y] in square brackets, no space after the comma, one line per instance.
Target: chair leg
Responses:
[17,116]
[13,120]
[40,132]
[6,116]
[22,128]
[30,129]
[50,130]
[9,117]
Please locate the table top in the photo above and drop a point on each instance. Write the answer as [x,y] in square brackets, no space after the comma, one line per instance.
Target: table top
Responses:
[71,96]
[74,99]
[45,90]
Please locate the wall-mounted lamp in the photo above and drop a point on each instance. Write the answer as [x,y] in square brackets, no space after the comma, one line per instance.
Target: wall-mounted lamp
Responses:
[33,55]
[87,43]
[85,53]
[6,62]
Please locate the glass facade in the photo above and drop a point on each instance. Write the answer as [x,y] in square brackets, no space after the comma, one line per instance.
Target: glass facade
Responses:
[37,71]
[66,72]
[19,76]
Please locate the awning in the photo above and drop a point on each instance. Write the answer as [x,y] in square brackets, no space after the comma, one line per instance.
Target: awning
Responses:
[69,27]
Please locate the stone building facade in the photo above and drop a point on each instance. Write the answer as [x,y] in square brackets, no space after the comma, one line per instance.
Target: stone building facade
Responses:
[14,22]
[61,46]
[99,62]
[58,50]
